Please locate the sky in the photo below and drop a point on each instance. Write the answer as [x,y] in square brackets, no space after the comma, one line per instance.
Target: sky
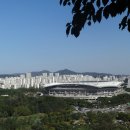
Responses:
[32,38]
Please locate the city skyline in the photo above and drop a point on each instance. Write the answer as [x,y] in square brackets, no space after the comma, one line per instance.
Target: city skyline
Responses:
[28,80]
[76,85]
[33,38]
[62,71]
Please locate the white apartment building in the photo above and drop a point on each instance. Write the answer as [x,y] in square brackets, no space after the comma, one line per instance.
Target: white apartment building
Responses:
[26,80]
[129,82]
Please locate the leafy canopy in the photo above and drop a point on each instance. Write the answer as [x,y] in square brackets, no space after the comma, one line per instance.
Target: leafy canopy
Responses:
[92,11]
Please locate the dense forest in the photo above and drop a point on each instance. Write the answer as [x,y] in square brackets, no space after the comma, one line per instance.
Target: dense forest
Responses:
[25,109]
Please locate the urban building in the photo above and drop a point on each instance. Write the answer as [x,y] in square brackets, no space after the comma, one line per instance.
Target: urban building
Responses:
[85,90]
[128,82]
[76,86]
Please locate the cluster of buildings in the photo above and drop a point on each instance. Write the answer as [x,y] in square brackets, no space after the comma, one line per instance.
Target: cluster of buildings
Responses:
[85,90]
[26,80]
[75,86]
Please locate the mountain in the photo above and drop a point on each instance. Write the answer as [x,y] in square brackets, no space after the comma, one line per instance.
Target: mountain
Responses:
[38,73]
[9,75]
[61,72]
[95,74]
[69,72]
[34,73]
[66,71]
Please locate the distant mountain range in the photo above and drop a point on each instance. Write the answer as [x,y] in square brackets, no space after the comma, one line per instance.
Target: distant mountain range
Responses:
[61,72]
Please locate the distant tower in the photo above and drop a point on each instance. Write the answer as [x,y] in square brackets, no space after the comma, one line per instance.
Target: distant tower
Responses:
[57,74]
[28,75]
[128,82]
[44,74]
[22,76]
[51,74]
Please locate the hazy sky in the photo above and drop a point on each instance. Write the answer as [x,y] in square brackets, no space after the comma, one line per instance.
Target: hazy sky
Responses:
[32,37]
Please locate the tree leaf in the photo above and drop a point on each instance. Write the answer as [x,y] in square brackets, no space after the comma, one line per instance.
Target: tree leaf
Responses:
[84,2]
[106,12]
[98,3]
[113,9]
[68,30]
[89,23]
[124,20]
[77,32]
[73,1]
[72,30]
[120,26]
[65,2]
[129,25]
[77,6]
[94,18]
[69,3]
[67,24]
[105,2]
[99,14]
[61,2]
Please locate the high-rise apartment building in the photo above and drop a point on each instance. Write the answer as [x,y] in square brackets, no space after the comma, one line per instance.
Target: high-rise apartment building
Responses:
[22,76]
[129,82]
[28,75]
[57,74]
[51,74]
[44,74]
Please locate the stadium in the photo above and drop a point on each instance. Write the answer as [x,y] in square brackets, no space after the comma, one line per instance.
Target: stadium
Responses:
[85,90]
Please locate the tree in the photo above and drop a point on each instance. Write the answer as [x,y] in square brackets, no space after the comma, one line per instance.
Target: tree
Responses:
[22,111]
[92,11]
[37,125]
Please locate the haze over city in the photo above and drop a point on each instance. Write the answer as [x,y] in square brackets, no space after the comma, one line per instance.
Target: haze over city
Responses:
[32,38]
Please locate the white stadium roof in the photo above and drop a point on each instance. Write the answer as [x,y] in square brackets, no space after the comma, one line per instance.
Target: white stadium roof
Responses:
[96,84]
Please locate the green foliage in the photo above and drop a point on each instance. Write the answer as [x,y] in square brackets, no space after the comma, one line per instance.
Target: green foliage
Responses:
[19,111]
[86,12]
[65,121]
[22,111]
[105,121]
[113,101]
[127,89]
[124,117]
[76,116]
[37,125]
